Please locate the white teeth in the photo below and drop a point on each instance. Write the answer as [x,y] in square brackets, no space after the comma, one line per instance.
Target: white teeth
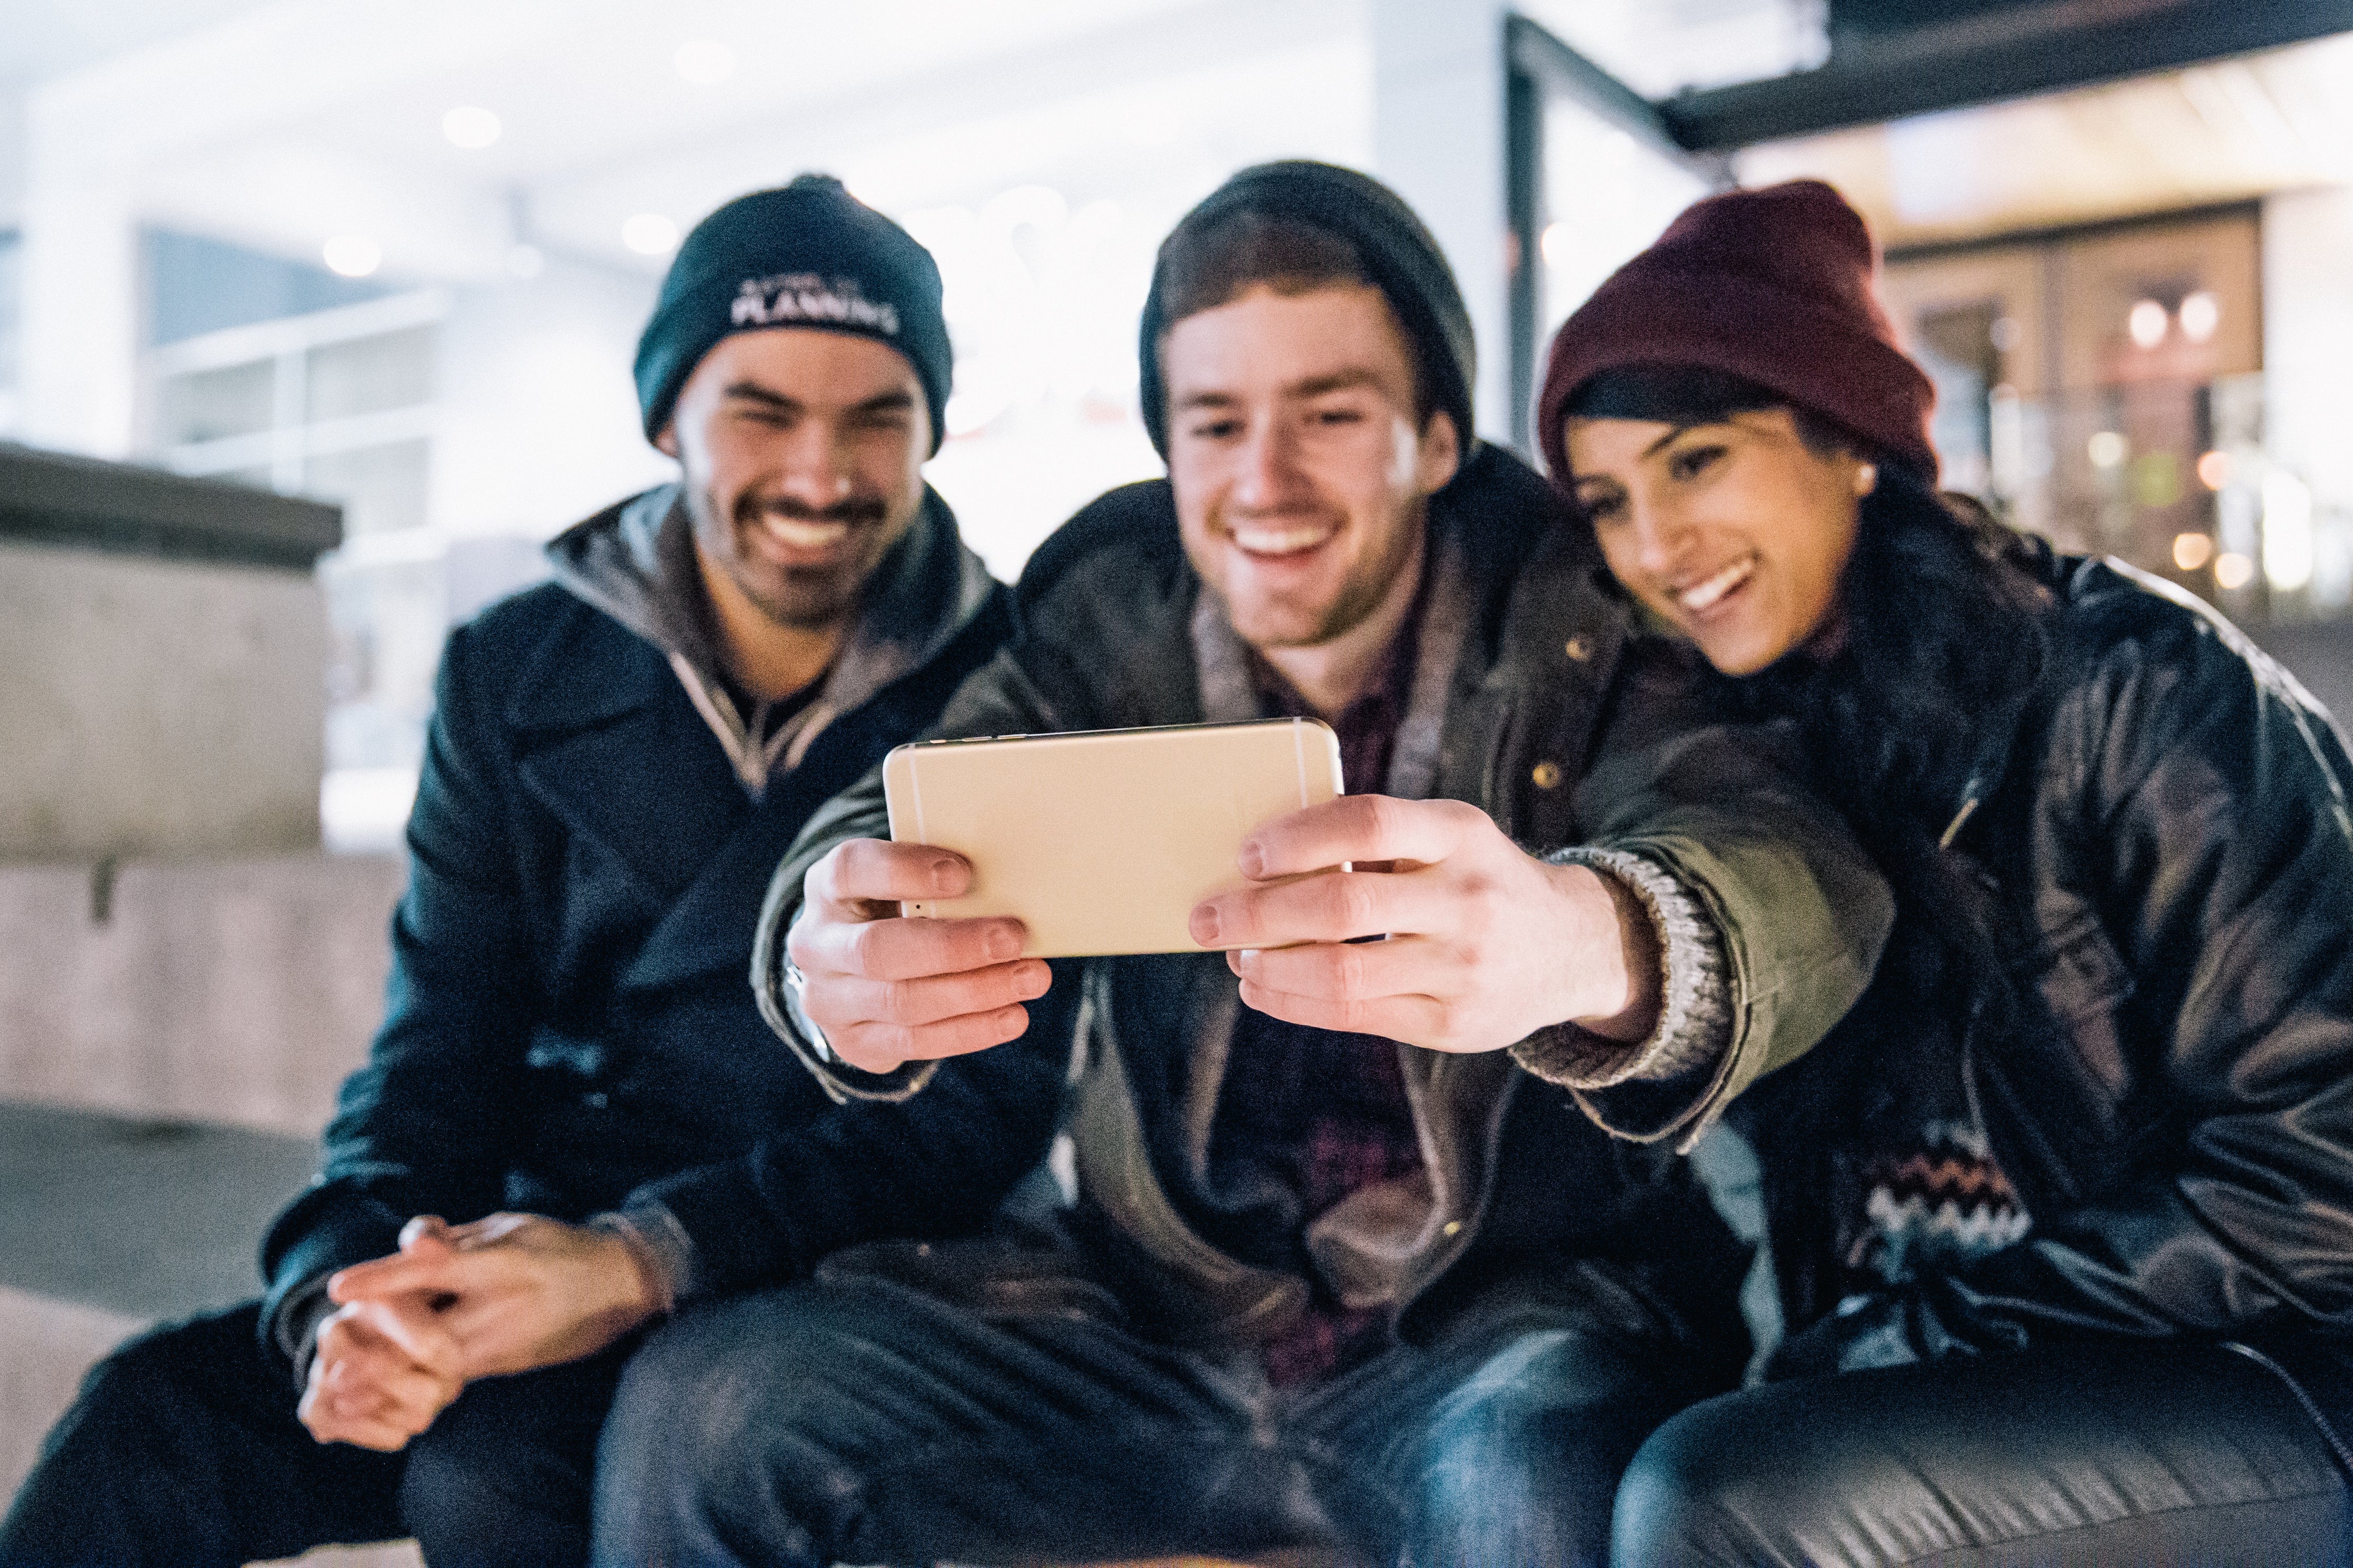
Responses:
[805,536]
[1280,541]
[1700,595]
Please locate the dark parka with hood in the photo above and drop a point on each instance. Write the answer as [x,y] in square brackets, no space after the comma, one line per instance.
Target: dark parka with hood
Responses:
[568,1031]
[1532,700]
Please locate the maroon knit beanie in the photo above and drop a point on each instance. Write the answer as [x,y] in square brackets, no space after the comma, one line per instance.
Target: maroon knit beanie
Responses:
[1774,286]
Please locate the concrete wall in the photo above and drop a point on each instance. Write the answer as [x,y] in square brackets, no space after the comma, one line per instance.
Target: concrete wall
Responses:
[156,706]
[237,992]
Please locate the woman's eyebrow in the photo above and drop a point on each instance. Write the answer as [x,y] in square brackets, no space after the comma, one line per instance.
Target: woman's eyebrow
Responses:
[1653,449]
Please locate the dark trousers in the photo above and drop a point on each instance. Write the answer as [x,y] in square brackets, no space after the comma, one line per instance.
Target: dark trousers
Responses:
[183,1449]
[865,1422]
[2089,1456]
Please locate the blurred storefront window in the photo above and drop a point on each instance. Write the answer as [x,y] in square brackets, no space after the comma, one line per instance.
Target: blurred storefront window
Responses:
[2105,387]
[338,406]
[1606,196]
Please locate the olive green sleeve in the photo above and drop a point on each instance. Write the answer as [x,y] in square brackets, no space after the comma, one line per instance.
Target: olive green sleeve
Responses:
[1797,911]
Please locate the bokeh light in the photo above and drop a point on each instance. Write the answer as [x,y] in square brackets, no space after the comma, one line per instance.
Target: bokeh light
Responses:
[649,234]
[352,254]
[472,126]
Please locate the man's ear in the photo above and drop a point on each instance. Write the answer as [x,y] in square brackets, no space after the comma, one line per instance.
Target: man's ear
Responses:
[1438,455]
[666,438]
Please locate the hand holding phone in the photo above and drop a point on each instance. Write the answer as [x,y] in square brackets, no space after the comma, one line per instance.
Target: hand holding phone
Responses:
[1102,842]
[1107,839]
[887,991]
[1483,943]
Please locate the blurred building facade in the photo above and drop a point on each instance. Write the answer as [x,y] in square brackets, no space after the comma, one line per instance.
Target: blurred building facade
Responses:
[395,256]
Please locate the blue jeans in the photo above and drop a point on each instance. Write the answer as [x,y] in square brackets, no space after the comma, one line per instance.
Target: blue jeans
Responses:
[867,1422]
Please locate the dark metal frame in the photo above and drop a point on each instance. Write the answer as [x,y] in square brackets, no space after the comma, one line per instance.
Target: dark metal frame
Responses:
[2016,51]
[1538,65]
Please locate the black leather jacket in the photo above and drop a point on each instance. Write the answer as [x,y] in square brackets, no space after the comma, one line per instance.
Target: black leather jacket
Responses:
[2166,862]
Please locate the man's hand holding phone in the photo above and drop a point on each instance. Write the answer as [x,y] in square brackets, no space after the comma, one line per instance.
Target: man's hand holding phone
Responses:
[1484,943]
[887,991]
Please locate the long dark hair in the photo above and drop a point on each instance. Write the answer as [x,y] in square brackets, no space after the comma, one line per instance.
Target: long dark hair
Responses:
[1947,631]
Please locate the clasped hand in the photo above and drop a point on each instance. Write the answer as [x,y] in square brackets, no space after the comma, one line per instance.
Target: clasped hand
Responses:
[504,1294]
[1483,944]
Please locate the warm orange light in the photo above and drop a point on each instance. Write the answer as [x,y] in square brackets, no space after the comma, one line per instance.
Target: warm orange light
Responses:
[2214,469]
[2232,570]
[2191,550]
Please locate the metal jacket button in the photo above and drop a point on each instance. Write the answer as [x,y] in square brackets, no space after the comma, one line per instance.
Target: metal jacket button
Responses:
[1578,648]
[1546,776]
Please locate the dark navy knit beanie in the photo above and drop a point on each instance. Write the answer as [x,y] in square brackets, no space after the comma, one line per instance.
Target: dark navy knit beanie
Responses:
[1403,260]
[810,255]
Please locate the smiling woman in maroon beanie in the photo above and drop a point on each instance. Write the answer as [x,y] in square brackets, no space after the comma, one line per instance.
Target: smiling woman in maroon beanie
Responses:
[2060,1219]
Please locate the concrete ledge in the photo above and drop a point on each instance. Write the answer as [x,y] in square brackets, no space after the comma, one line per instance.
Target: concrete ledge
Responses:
[58,498]
[157,707]
[45,1347]
[107,1226]
[231,991]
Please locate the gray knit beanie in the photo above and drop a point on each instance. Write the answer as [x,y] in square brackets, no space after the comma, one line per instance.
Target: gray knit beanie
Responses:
[1403,260]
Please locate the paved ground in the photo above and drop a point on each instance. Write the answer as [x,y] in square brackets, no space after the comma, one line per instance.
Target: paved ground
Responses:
[147,1219]
[108,1224]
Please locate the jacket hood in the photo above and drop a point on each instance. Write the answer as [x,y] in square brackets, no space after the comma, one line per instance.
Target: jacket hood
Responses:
[635,563]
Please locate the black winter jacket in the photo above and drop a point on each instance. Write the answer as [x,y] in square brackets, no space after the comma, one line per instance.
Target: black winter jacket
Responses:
[567,1029]
[2167,866]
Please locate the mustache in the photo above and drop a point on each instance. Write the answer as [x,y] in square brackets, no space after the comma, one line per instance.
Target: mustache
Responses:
[852,510]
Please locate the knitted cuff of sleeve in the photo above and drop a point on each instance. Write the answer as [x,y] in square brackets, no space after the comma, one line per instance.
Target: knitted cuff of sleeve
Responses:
[1694,1027]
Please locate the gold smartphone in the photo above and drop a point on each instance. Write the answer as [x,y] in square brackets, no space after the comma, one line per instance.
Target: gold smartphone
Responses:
[1102,841]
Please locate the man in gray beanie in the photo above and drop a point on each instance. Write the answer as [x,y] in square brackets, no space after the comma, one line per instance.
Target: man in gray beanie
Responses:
[1340,1269]
[572,1120]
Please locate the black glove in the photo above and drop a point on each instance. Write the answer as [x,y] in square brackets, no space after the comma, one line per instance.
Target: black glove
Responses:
[1922,1320]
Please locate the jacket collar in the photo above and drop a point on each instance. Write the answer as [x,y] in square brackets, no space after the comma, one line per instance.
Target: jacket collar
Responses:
[608,745]
[1440,631]
[635,563]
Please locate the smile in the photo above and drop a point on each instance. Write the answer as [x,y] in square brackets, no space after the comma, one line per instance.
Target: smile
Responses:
[1275,541]
[1707,592]
[798,534]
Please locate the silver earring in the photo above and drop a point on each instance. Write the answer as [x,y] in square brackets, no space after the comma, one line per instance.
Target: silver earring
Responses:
[1866,479]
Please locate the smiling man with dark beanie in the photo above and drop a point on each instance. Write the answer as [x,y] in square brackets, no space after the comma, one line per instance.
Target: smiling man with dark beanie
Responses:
[574,1120]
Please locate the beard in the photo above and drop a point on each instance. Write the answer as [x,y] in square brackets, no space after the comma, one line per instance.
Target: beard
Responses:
[1283,622]
[805,598]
